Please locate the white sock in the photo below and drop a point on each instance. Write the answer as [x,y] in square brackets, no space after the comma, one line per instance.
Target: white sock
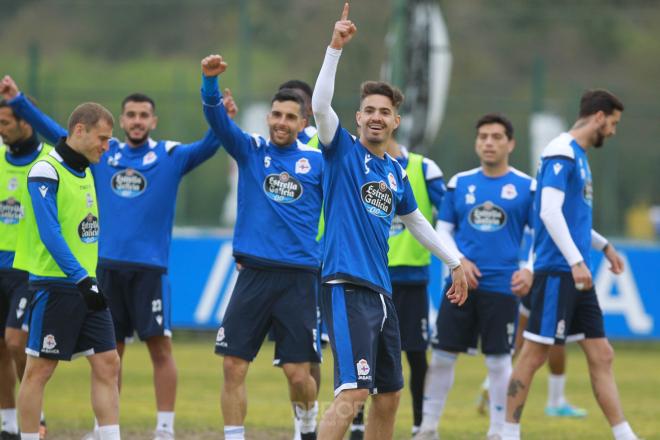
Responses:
[623,431]
[486,384]
[511,431]
[165,421]
[233,432]
[26,436]
[499,373]
[109,432]
[296,426]
[307,418]
[439,380]
[556,385]
[9,422]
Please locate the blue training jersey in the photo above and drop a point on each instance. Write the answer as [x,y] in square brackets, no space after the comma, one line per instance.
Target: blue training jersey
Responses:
[564,166]
[136,190]
[279,193]
[489,215]
[435,186]
[362,193]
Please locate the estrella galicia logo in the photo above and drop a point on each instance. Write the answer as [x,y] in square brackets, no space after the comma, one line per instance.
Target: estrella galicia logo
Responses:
[377,198]
[282,187]
[487,217]
[128,183]
[10,211]
[397,226]
[88,229]
[588,192]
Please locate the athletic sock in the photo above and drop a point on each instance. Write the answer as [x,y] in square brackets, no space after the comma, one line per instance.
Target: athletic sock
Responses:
[358,421]
[30,436]
[439,380]
[233,432]
[9,422]
[623,431]
[109,432]
[307,418]
[511,431]
[165,421]
[418,368]
[499,373]
[556,385]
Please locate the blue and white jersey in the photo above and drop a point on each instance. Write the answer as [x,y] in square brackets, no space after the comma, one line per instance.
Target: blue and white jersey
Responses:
[489,215]
[436,188]
[136,190]
[362,193]
[564,166]
[279,193]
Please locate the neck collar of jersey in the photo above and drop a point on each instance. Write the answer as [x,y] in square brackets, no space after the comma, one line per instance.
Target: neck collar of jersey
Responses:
[72,158]
[24,147]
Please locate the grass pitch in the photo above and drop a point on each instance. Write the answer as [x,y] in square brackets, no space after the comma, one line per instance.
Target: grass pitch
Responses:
[269,417]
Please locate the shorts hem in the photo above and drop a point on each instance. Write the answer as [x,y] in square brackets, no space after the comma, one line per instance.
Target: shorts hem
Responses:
[165,332]
[280,362]
[576,337]
[385,390]
[545,340]
[346,386]
[240,355]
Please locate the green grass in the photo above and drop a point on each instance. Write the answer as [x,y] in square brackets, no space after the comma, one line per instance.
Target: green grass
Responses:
[198,410]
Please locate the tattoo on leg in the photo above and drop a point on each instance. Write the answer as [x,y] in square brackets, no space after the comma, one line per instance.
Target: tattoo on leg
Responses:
[514,386]
[517,413]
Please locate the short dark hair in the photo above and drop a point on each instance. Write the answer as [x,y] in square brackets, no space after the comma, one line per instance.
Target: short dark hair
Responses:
[283,95]
[368,88]
[4,103]
[496,118]
[89,114]
[297,85]
[594,101]
[138,97]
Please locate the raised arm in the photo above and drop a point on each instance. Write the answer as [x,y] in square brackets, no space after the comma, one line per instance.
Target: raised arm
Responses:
[42,123]
[326,119]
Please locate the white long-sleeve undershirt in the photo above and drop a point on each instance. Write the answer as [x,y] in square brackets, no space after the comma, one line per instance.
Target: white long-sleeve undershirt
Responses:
[325,117]
[422,230]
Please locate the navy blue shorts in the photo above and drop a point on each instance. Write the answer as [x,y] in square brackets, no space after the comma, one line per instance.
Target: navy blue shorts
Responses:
[284,299]
[488,317]
[412,308]
[364,336]
[61,327]
[139,300]
[560,313]
[14,299]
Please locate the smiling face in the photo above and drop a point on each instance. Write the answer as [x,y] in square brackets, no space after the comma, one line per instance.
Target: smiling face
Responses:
[137,120]
[13,130]
[492,145]
[377,119]
[91,142]
[285,121]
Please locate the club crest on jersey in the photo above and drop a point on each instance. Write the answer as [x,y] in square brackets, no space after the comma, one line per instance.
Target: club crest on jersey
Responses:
[470,198]
[49,344]
[392,180]
[148,158]
[487,217]
[509,192]
[282,187]
[588,192]
[363,369]
[397,226]
[303,166]
[11,211]
[12,184]
[128,183]
[377,198]
[88,229]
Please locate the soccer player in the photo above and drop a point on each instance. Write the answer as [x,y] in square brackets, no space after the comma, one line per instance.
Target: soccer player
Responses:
[136,178]
[307,135]
[487,209]
[279,203]
[58,247]
[409,273]
[363,189]
[20,151]
[564,304]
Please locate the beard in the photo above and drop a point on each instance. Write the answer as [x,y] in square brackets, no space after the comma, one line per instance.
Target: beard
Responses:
[137,141]
[600,140]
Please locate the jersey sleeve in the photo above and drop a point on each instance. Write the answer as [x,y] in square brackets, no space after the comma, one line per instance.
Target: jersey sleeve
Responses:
[190,156]
[447,211]
[42,187]
[340,145]
[235,141]
[41,122]
[407,204]
[557,172]
[531,210]
[435,182]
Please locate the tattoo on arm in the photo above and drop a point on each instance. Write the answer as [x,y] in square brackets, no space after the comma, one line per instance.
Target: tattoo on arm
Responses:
[518,413]
[514,386]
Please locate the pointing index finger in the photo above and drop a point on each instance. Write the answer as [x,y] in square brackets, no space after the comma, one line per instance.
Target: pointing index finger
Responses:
[344,13]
